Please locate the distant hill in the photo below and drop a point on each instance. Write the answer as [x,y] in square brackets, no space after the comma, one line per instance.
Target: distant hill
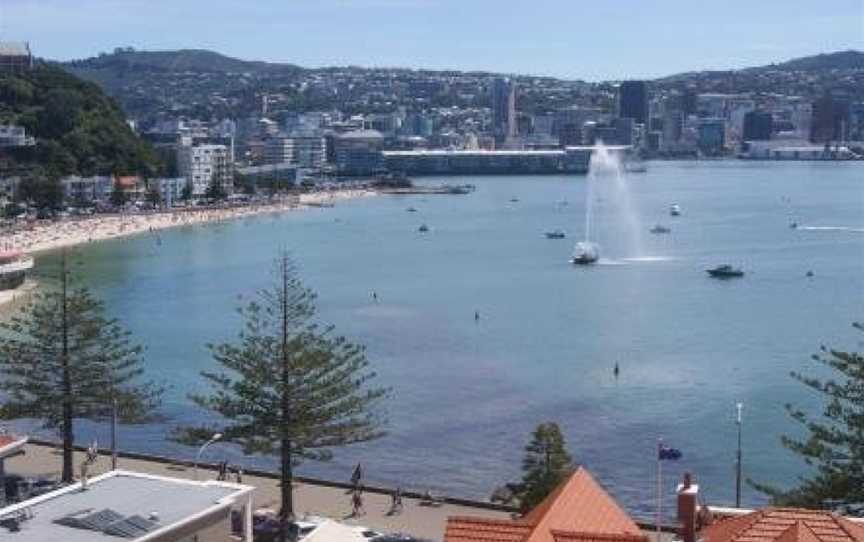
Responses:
[78,129]
[183,60]
[850,60]
[841,72]
[841,60]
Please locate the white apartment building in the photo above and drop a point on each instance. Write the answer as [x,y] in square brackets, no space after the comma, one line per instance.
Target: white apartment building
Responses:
[202,165]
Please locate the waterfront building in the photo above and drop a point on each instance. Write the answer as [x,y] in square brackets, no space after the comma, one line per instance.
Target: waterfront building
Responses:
[170,189]
[633,101]
[305,150]
[711,136]
[15,57]
[87,190]
[125,505]
[203,165]
[829,119]
[758,126]
[503,103]
[794,149]
[270,175]
[15,136]
[578,510]
[358,153]
[481,162]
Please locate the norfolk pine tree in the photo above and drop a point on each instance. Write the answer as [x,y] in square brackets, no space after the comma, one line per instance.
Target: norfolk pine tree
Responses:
[834,443]
[61,359]
[290,387]
[545,465]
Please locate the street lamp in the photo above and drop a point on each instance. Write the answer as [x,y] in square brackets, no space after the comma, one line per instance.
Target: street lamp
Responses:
[203,447]
[738,421]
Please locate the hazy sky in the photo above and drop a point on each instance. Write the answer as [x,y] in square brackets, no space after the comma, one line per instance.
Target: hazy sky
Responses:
[593,40]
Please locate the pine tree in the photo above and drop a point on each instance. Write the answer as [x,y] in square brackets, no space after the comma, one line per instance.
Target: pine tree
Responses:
[61,360]
[545,465]
[834,442]
[290,387]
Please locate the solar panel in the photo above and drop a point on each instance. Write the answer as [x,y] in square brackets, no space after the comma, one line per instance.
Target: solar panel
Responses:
[109,522]
[87,519]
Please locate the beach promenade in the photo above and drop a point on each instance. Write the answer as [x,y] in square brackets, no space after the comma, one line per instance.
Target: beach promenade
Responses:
[45,235]
[314,499]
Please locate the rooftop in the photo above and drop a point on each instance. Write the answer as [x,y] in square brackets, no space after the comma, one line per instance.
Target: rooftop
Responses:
[784,525]
[139,505]
[578,510]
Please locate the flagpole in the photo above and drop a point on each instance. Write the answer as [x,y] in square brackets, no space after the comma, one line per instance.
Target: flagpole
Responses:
[659,487]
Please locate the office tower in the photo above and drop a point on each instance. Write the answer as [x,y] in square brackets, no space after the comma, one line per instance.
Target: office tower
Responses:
[633,101]
[503,101]
[758,126]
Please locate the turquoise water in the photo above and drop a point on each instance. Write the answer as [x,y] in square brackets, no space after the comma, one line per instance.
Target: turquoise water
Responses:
[466,395]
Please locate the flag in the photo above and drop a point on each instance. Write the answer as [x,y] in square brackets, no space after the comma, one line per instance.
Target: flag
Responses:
[670,454]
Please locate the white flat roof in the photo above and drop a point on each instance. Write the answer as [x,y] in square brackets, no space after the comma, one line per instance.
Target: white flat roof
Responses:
[172,502]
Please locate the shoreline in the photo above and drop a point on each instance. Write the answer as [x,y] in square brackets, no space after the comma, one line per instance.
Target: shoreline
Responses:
[51,235]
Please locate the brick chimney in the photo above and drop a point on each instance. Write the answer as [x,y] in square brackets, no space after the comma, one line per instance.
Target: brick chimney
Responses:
[688,508]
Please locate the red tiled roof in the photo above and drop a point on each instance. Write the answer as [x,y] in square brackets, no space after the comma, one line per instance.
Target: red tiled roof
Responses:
[468,529]
[784,525]
[578,510]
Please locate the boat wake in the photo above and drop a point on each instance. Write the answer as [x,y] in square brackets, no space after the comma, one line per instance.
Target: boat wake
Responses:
[831,228]
[649,259]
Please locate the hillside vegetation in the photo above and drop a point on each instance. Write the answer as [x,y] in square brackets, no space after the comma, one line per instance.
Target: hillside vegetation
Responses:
[79,130]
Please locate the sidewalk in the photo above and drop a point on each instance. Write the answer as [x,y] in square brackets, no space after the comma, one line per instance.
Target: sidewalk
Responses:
[415,519]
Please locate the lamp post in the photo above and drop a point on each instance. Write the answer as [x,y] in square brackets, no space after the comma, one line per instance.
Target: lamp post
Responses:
[738,422]
[203,447]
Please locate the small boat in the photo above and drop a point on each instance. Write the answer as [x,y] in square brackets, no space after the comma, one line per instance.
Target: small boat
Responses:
[556,234]
[411,210]
[660,228]
[725,271]
[423,228]
[584,253]
[794,225]
[675,210]
[514,200]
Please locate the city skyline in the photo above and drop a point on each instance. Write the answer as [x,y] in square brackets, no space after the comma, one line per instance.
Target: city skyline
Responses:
[589,42]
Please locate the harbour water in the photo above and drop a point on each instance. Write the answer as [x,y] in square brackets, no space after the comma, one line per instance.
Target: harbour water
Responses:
[467,394]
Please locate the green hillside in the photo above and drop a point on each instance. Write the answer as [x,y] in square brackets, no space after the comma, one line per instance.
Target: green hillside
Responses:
[79,130]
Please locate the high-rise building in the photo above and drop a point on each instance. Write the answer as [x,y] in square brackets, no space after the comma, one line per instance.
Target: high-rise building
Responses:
[304,150]
[203,165]
[829,119]
[359,153]
[758,126]
[633,101]
[503,100]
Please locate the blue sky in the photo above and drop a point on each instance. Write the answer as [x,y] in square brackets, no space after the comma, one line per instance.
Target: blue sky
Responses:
[592,40]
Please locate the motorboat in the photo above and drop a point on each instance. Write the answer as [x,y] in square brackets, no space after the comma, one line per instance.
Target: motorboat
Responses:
[514,200]
[675,210]
[556,234]
[725,271]
[423,228]
[585,253]
[411,210]
[660,228]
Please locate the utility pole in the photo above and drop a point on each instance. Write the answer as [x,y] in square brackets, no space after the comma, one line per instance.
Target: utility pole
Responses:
[738,421]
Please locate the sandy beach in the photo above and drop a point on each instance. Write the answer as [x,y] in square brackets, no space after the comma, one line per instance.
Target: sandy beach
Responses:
[50,235]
